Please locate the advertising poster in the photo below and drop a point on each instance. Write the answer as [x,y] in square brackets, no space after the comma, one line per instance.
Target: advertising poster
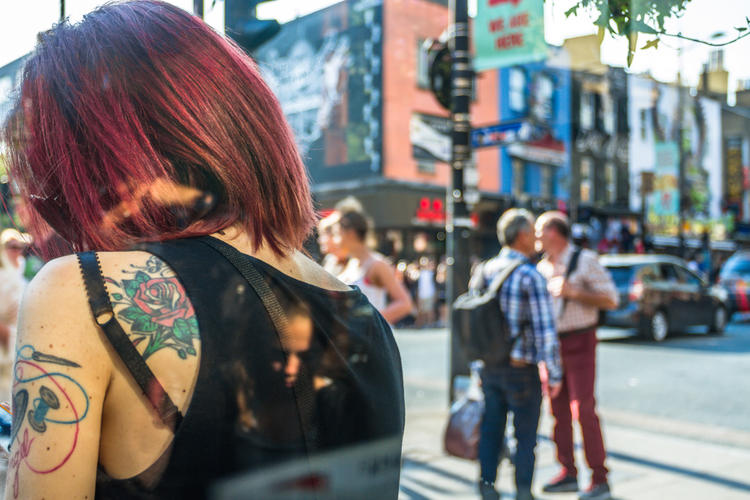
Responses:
[326,70]
[664,204]
[508,32]
[657,124]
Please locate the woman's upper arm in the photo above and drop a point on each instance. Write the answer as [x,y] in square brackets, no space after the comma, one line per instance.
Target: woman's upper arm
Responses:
[60,379]
[387,276]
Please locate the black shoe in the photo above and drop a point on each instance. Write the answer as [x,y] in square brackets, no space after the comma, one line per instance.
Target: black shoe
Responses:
[561,484]
[599,491]
[487,491]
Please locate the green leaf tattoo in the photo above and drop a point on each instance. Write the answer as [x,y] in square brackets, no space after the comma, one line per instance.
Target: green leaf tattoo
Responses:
[157,308]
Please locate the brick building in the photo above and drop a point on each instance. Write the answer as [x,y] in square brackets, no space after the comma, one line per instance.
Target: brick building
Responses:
[353,80]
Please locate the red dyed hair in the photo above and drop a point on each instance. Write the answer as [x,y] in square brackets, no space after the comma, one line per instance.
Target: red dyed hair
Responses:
[141,123]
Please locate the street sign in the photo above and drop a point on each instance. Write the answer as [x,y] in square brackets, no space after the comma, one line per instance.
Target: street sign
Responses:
[429,139]
[500,134]
[508,32]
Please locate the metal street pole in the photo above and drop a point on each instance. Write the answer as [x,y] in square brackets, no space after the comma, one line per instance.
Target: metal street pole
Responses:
[62,10]
[198,8]
[457,223]
[681,184]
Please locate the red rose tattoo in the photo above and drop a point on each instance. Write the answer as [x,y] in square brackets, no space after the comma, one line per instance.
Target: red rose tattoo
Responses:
[157,308]
[164,300]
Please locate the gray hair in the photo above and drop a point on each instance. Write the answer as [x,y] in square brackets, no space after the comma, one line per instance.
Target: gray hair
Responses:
[512,223]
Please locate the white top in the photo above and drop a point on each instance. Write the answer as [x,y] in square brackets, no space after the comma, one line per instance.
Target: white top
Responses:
[355,273]
[426,284]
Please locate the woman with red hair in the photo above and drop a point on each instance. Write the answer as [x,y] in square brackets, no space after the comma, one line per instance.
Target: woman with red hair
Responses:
[189,340]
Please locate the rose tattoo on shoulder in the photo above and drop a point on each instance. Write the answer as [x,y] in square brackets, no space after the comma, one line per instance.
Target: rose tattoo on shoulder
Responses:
[155,305]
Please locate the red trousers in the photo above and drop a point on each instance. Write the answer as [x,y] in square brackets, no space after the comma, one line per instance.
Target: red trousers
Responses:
[576,400]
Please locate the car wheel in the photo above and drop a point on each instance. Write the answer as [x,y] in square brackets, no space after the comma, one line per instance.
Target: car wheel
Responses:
[719,322]
[659,326]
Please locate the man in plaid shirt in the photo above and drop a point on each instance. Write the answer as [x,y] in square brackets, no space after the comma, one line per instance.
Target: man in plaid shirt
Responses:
[527,306]
[578,297]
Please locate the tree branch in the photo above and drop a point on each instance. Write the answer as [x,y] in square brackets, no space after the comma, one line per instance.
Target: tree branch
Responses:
[705,42]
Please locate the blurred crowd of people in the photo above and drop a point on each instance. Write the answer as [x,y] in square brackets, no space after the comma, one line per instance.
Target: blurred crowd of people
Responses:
[407,293]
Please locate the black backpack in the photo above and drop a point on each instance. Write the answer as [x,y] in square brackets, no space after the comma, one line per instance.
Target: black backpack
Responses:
[482,327]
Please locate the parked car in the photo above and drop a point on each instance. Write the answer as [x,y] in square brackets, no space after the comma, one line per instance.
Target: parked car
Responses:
[660,295]
[734,277]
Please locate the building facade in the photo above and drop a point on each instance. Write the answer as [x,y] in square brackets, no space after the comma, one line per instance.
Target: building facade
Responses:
[353,82]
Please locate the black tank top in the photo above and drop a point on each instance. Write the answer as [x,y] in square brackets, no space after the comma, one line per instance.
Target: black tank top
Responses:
[243,415]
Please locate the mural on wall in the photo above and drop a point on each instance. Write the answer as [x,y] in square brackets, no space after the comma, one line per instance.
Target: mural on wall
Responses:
[325,68]
[655,147]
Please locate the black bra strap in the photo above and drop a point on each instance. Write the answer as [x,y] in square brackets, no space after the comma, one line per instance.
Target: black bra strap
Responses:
[101,308]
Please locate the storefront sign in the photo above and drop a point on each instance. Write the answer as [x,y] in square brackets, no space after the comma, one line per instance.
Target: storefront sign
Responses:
[430,210]
[508,32]
[537,154]
[428,140]
[500,134]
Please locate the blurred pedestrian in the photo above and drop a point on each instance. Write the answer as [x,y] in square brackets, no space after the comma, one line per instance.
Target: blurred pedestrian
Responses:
[580,287]
[191,340]
[426,292]
[12,283]
[334,257]
[516,387]
[368,270]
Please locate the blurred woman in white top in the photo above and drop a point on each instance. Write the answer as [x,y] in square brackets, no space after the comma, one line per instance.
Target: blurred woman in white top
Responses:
[12,283]
[368,270]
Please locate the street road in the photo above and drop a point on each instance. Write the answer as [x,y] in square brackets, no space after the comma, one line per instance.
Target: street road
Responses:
[693,385]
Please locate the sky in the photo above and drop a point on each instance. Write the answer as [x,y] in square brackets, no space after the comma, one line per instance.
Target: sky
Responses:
[20,21]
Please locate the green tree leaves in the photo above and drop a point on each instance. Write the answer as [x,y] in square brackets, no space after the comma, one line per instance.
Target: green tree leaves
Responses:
[628,18]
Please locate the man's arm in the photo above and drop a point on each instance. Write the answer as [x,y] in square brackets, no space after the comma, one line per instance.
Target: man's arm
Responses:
[599,291]
[543,324]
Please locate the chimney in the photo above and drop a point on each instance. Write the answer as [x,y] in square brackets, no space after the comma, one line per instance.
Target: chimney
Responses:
[715,78]
[585,54]
[743,93]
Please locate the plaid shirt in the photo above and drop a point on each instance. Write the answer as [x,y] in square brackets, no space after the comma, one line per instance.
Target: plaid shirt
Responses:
[527,306]
[588,275]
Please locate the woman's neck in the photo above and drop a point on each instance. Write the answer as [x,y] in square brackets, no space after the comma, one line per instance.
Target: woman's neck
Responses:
[360,252]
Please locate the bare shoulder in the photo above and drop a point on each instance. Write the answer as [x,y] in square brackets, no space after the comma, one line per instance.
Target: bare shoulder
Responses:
[56,300]
[311,272]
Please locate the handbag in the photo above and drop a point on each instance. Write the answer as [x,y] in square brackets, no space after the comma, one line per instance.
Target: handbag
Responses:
[461,437]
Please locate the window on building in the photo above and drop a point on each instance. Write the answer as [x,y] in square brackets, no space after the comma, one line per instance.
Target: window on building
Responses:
[588,110]
[644,118]
[517,90]
[425,166]
[542,107]
[586,185]
[609,112]
[610,182]
[423,66]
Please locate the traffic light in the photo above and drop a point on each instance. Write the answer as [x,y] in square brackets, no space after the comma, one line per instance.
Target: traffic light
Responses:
[440,71]
[244,27]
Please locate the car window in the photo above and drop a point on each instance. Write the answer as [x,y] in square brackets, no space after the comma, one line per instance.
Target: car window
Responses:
[737,266]
[669,273]
[688,277]
[648,273]
[621,275]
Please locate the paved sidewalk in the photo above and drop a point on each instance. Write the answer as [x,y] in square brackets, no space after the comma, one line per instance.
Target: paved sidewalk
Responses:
[644,464]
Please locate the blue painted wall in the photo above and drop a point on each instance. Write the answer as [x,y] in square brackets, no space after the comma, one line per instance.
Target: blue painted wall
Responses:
[559,126]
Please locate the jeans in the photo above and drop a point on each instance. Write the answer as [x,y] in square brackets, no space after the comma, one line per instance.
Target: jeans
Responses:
[517,390]
[576,400]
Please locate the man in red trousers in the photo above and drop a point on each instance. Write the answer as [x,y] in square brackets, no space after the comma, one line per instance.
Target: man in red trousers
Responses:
[580,287]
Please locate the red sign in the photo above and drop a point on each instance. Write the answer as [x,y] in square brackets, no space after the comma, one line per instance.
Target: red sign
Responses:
[431,210]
